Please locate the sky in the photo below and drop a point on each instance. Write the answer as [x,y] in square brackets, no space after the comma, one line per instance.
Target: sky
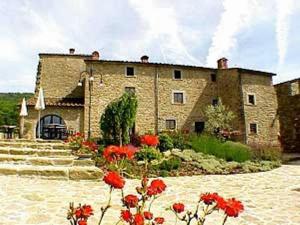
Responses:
[253,34]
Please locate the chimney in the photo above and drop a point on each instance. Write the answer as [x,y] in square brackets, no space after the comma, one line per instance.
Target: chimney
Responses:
[72,51]
[95,55]
[222,63]
[144,59]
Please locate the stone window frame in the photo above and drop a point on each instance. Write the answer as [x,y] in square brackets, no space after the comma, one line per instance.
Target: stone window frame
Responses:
[134,71]
[254,96]
[257,131]
[183,96]
[181,74]
[130,89]
[169,119]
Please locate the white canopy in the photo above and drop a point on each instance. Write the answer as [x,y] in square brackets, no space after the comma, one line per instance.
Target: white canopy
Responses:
[23,108]
[40,103]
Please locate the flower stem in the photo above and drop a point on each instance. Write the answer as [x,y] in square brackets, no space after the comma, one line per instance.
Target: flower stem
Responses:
[103,211]
[224,221]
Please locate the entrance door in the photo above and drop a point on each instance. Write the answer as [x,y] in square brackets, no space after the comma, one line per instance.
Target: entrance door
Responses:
[52,127]
[199,127]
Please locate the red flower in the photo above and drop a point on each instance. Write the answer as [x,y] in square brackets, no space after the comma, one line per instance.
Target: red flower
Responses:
[150,140]
[78,213]
[90,145]
[159,220]
[157,186]
[126,215]
[114,180]
[87,210]
[178,207]
[209,198]
[131,201]
[82,222]
[114,153]
[233,207]
[148,215]
[138,219]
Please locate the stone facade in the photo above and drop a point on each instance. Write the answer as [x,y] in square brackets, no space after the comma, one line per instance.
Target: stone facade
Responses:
[288,95]
[155,85]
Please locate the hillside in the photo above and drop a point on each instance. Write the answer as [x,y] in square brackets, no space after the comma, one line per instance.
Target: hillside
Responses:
[9,109]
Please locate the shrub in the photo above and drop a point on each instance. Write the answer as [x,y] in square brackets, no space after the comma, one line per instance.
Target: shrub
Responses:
[179,139]
[170,164]
[165,142]
[148,154]
[266,152]
[230,151]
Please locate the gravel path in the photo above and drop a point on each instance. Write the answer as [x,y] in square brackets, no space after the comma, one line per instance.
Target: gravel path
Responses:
[270,198]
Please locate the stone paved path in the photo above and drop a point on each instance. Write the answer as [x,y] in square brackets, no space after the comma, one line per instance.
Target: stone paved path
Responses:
[270,198]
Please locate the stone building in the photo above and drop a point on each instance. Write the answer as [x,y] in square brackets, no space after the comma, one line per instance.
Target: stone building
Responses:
[288,95]
[77,89]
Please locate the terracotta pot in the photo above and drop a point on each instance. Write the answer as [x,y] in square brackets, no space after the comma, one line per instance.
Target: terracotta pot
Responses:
[84,156]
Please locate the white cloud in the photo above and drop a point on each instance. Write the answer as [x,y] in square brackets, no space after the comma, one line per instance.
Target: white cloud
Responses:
[164,30]
[237,15]
[284,11]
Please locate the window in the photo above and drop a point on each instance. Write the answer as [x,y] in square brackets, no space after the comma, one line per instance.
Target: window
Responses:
[130,90]
[253,128]
[178,98]
[129,71]
[215,101]
[177,75]
[294,88]
[199,127]
[251,99]
[213,77]
[171,124]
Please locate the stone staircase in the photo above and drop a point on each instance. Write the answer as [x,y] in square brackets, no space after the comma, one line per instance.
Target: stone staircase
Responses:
[51,160]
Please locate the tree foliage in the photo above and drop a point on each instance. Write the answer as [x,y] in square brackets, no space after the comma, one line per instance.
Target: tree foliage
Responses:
[9,109]
[118,118]
[219,118]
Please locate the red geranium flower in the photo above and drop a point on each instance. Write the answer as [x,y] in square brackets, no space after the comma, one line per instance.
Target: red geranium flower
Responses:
[159,220]
[114,153]
[233,207]
[150,140]
[82,222]
[138,219]
[178,207]
[109,153]
[126,215]
[209,198]
[157,186]
[87,211]
[131,201]
[114,180]
[148,215]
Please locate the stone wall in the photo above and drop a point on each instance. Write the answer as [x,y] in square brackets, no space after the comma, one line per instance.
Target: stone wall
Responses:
[59,75]
[289,115]
[264,112]
[195,83]
[72,116]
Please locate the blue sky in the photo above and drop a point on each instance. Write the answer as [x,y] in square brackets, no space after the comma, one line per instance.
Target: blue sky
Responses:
[255,34]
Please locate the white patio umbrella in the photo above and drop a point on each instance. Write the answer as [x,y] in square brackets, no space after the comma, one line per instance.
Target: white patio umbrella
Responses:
[40,105]
[23,113]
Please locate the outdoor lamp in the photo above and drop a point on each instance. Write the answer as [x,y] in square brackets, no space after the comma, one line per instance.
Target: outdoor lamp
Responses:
[91,78]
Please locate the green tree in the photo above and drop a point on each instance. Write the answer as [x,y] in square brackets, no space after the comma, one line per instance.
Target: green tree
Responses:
[118,118]
[219,117]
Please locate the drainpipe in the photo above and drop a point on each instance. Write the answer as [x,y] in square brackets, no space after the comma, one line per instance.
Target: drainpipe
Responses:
[156,98]
[243,107]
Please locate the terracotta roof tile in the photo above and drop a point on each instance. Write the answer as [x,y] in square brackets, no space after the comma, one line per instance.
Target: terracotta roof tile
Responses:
[58,101]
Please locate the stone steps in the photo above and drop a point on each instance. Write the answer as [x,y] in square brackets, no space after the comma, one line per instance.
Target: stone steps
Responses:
[51,160]
[45,161]
[56,172]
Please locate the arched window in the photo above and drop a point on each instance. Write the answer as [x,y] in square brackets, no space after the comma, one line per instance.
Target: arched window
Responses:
[52,127]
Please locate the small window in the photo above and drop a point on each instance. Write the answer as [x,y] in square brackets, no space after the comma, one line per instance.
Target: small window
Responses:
[199,127]
[129,71]
[170,124]
[178,98]
[130,90]
[294,89]
[253,128]
[215,101]
[177,75]
[213,77]
[251,99]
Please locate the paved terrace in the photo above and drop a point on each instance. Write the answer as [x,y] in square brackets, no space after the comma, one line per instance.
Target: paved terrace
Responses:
[271,198]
